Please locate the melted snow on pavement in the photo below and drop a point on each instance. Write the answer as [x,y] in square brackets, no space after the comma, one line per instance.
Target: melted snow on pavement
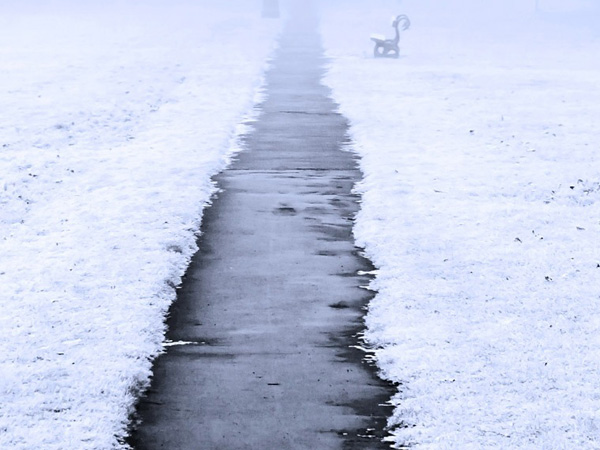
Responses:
[113,118]
[481,208]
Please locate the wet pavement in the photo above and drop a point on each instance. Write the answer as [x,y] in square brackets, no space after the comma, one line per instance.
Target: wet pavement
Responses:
[271,310]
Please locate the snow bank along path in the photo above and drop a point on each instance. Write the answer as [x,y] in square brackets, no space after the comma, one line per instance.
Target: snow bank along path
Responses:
[481,207]
[113,118]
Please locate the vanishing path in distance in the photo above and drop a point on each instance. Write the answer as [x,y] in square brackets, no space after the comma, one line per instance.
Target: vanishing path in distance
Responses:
[272,306]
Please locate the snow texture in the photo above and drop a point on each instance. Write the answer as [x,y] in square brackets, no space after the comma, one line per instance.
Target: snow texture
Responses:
[114,116]
[481,209]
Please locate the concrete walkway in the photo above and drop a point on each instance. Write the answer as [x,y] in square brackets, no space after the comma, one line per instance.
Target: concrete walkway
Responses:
[272,303]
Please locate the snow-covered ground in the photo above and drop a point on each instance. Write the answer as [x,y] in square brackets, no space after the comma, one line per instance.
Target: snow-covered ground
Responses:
[114,115]
[481,208]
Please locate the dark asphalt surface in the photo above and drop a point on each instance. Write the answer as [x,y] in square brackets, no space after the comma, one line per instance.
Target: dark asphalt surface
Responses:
[272,303]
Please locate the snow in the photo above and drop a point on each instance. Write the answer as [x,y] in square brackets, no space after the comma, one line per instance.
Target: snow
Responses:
[114,116]
[480,205]
[480,208]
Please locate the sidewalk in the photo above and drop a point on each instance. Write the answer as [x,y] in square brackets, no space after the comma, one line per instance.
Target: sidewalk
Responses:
[271,305]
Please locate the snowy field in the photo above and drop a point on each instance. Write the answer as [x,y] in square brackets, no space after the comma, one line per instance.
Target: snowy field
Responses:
[114,115]
[481,208]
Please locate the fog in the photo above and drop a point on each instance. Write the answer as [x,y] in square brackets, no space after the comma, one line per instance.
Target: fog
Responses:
[509,33]
[474,11]
[484,16]
[479,16]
